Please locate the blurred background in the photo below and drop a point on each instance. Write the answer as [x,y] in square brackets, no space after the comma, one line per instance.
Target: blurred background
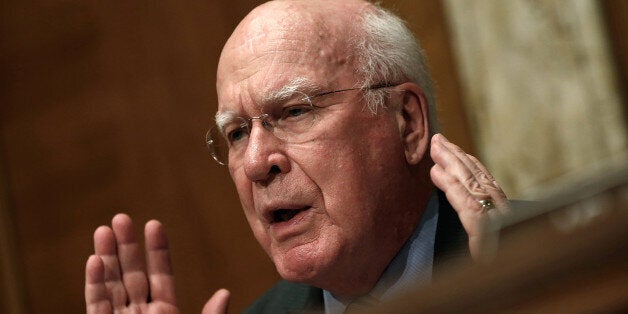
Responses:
[104,107]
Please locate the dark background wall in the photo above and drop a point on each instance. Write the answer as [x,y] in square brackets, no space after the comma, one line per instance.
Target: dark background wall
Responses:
[103,109]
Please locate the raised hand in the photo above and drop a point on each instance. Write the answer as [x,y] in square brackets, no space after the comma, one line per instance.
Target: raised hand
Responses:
[118,280]
[467,184]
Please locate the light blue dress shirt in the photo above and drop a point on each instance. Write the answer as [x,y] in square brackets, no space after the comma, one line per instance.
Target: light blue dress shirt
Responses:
[412,267]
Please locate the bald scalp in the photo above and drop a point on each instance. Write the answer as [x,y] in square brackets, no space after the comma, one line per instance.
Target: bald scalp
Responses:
[317,11]
[331,24]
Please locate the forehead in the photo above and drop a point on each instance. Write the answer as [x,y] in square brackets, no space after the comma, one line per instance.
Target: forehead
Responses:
[267,52]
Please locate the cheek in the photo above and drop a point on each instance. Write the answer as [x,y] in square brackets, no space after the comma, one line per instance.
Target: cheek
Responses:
[245,193]
[351,173]
[360,148]
[244,188]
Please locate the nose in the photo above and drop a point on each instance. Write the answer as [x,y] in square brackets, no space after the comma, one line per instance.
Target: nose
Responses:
[264,157]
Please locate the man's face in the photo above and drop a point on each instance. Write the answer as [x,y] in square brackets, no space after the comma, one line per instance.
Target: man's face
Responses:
[320,208]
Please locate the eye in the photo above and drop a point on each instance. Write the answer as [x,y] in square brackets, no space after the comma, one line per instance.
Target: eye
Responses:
[296,111]
[236,135]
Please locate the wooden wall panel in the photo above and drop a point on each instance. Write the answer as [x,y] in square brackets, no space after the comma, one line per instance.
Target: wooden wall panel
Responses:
[104,106]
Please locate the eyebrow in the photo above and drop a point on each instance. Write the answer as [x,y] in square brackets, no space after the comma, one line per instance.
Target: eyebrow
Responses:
[224,118]
[297,85]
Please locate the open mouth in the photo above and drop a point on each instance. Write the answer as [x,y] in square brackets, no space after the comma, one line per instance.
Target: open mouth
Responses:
[285,214]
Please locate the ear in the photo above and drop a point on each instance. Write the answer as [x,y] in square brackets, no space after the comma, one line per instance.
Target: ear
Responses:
[412,117]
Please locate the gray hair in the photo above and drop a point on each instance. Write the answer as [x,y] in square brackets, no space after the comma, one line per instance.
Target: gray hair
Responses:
[386,51]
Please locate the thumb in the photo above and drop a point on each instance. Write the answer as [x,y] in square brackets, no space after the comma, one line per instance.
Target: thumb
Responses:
[218,303]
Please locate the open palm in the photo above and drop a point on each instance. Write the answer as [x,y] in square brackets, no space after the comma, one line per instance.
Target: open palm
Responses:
[117,280]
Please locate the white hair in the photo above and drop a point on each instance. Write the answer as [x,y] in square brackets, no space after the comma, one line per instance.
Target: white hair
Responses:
[387,52]
[298,85]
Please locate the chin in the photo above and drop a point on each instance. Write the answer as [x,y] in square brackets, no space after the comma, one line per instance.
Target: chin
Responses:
[306,276]
[296,269]
[301,266]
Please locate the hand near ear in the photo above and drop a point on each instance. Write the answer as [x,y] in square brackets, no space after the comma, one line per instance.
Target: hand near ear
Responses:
[466,182]
[117,279]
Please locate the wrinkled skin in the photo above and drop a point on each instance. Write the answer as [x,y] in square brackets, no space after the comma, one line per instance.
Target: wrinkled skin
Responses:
[362,183]
[357,220]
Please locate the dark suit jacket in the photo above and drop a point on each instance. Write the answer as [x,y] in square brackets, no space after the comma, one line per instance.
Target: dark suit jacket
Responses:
[286,297]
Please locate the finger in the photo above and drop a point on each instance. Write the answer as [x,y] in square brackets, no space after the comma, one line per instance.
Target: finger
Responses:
[468,208]
[105,248]
[482,234]
[446,155]
[96,296]
[476,173]
[497,194]
[131,259]
[160,276]
[481,177]
[480,174]
[218,303]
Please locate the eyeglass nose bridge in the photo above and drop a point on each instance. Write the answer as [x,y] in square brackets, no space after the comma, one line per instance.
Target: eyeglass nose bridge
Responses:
[263,118]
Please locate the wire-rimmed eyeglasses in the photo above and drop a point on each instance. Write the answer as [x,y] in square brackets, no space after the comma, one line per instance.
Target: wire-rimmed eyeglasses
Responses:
[290,123]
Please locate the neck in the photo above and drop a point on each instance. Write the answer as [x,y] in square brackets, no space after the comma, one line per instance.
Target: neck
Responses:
[353,284]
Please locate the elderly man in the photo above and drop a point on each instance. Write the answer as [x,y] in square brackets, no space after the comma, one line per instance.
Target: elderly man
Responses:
[325,119]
